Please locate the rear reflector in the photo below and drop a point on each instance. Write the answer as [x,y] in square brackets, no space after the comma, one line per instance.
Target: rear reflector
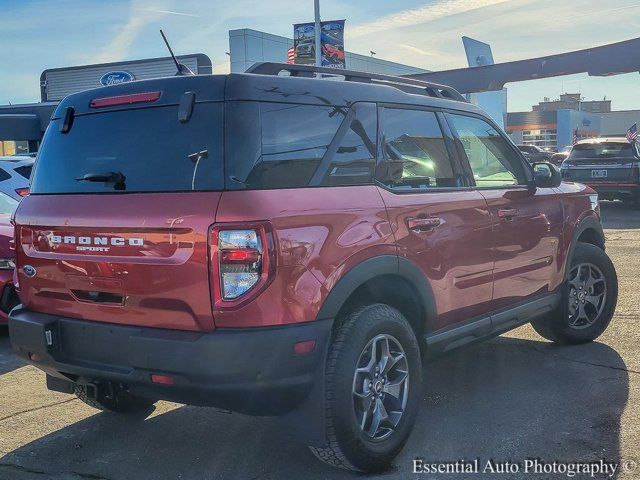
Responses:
[306,346]
[146,97]
[162,379]
[241,255]
[23,192]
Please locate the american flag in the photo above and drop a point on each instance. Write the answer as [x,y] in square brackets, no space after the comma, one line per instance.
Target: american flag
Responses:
[632,133]
[575,137]
[291,56]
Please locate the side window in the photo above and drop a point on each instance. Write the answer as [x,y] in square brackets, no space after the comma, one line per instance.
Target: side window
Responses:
[4,175]
[492,161]
[274,145]
[414,151]
[24,170]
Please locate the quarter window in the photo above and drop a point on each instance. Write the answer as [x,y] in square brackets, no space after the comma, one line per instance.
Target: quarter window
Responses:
[276,145]
[414,151]
[493,162]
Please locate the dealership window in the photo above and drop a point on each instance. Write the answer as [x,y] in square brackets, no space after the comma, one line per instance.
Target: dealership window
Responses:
[543,138]
[414,151]
[493,162]
[9,147]
[291,146]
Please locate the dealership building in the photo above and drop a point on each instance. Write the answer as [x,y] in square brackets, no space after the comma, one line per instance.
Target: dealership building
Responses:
[552,123]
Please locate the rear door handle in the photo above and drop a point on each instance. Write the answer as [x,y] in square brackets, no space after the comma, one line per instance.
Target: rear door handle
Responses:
[423,224]
[507,213]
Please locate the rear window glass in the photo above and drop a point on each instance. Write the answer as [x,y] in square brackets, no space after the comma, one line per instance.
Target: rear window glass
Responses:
[136,150]
[271,145]
[24,170]
[602,150]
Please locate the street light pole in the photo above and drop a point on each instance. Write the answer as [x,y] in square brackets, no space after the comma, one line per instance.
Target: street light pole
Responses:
[316,5]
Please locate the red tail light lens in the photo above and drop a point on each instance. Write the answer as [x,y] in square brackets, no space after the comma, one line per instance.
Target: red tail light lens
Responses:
[240,263]
[162,379]
[23,192]
[145,97]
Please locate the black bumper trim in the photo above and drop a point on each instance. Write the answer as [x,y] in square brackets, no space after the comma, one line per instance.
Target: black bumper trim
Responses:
[248,370]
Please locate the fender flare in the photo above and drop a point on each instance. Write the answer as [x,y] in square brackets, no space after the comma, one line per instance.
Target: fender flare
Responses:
[375,267]
[586,223]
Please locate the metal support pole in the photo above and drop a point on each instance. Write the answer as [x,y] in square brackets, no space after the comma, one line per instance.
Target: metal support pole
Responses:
[316,5]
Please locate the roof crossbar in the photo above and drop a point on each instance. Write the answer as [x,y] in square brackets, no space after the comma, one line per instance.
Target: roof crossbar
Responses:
[408,85]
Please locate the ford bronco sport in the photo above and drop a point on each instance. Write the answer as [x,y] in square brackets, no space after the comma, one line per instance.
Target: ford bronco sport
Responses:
[611,166]
[284,245]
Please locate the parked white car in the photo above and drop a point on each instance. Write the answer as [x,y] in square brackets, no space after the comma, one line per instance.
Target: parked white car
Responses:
[14,175]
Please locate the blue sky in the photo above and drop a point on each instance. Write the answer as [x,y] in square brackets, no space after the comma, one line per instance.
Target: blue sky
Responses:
[35,35]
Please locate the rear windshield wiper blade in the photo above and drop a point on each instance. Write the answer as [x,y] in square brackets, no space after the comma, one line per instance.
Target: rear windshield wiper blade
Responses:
[117,178]
[108,177]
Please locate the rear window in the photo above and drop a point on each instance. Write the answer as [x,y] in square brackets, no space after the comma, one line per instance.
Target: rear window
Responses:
[24,171]
[602,150]
[139,150]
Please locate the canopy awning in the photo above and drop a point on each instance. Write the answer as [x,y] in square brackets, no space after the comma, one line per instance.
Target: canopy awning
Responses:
[16,126]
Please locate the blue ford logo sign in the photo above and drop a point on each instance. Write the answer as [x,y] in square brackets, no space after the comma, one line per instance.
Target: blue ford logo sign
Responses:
[29,271]
[116,77]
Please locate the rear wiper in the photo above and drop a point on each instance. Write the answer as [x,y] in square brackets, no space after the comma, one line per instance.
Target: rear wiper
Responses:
[116,178]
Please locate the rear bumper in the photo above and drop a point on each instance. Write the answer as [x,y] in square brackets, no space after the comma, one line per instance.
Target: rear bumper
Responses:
[253,371]
[622,191]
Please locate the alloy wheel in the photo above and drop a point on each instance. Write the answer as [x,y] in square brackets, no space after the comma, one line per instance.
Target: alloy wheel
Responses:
[587,295]
[380,387]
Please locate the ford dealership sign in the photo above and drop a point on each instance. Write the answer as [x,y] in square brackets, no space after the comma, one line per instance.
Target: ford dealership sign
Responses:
[113,78]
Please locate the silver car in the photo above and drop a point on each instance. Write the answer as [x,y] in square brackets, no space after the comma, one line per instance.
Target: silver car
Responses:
[14,175]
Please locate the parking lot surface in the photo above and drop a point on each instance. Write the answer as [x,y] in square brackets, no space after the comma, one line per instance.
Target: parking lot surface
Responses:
[509,399]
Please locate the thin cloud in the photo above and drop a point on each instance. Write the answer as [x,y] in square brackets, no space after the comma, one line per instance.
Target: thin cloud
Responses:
[118,48]
[413,49]
[168,12]
[420,15]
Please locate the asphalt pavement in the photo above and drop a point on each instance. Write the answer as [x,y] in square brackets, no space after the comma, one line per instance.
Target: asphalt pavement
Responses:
[513,398]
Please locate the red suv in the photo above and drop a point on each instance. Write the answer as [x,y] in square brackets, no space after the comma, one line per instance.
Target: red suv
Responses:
[282,245]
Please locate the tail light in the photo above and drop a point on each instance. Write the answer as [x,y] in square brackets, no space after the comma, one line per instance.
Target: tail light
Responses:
[241,263]
[23,192]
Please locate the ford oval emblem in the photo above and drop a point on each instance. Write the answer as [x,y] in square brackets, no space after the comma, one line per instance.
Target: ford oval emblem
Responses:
[29,271]
[116,77]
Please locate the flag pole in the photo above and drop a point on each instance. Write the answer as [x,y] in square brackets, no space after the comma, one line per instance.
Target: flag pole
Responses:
[316,7]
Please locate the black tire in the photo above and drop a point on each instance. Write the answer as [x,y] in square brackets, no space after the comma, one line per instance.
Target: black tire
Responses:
[556,326]
[118,401]
[347,444]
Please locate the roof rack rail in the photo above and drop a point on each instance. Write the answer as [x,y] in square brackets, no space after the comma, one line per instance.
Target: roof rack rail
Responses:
[403,83]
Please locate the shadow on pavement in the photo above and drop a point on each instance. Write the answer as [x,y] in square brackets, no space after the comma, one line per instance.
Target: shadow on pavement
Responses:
[619,215]
[8,360]
[506,399]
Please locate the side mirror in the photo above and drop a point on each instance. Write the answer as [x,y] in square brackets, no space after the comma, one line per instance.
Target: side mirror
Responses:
[546,175]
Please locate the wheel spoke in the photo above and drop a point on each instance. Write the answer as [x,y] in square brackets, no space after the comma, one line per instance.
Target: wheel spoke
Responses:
[575,279]
[392,361]
[395,388]
[594,299]
[380,416]
[385,354]
[364,398]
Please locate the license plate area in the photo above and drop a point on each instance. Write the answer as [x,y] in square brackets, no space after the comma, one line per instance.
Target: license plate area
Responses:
[598,174]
